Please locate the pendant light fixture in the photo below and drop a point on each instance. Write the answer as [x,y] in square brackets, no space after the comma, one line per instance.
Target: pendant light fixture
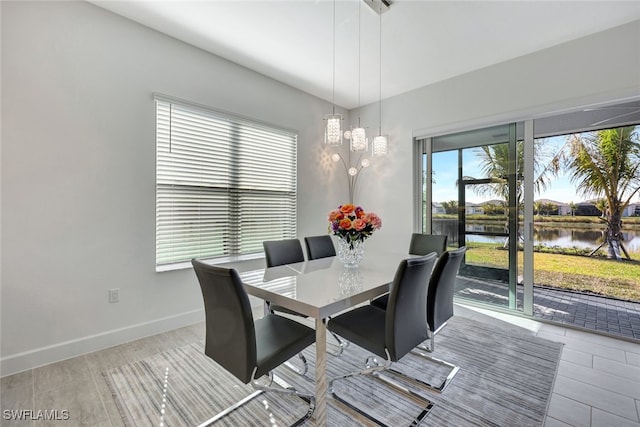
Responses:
[357,136]
[380,146]
[333,125]
[359,139]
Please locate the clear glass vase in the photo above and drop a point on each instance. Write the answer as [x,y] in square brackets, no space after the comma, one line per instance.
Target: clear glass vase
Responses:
[350,282]
[350,253]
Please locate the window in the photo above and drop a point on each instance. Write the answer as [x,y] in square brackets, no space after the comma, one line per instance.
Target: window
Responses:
[223,184]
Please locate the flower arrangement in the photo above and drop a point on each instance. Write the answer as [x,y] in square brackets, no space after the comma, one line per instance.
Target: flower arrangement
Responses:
[352,224]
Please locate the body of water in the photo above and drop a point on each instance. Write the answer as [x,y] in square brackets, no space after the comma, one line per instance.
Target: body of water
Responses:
[561,237]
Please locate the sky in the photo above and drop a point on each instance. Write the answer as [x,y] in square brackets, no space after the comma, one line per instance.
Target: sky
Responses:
[445,166]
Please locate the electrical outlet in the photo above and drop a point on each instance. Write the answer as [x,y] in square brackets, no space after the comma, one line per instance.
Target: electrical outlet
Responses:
[114,295]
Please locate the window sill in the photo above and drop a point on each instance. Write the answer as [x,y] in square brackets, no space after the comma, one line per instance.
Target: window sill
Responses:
[233,261]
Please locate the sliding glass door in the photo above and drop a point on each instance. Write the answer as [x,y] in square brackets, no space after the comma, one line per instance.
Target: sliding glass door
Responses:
[478,187]
[475,195]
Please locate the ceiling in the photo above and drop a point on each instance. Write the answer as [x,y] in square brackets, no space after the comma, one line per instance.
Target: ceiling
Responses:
[423,42]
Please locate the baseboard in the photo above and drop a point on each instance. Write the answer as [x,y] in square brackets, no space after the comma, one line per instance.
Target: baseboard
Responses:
[24,361]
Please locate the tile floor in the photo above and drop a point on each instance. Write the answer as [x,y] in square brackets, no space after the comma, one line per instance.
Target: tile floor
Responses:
[598,313]
[581,309]
[598,382]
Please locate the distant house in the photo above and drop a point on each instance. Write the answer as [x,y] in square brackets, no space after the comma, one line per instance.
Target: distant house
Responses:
[632,210]
[473,208]
[587,208]
[493,207]
[437,208]
[553,207]
[564,209]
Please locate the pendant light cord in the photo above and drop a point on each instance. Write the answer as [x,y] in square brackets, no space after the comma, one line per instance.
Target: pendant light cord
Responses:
[359,81]
[380,76]
[333,95]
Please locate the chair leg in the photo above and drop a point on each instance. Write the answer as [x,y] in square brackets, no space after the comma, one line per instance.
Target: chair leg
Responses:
[259,389]
[342,345]
[288,389]
[453,369]
[374,369]
[300,371]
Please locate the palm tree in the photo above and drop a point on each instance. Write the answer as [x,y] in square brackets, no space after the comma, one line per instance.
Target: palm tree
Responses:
[550,208]
[606,164]
[450,207]
[601,205]
[573,207]
[494,164]
[537,207]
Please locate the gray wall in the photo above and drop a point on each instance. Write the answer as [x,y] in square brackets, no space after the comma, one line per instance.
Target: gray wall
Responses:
[78,160]
[78,174]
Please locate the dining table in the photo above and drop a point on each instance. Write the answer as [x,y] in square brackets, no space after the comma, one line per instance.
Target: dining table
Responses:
[319,289]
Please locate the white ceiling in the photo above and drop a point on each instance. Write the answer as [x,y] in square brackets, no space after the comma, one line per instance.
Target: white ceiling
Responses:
[422,41]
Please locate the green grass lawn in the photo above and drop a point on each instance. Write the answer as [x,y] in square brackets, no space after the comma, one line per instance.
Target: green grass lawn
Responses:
[619,279]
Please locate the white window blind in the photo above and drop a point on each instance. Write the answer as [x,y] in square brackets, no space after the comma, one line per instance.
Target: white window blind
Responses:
[223,184]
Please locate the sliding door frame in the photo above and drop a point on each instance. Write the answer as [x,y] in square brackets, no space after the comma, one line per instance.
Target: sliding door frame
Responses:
[423,150]
[528,195]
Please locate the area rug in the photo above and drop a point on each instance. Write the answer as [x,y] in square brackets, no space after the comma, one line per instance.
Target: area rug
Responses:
[505,379]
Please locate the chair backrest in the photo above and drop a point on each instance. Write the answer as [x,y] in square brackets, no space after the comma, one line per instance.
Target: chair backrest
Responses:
[230,331]
[319,247]
[422,244]
[406,318]
[442,287]
[279,252]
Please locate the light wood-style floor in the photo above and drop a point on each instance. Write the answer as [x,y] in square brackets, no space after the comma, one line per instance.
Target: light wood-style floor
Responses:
[598,382]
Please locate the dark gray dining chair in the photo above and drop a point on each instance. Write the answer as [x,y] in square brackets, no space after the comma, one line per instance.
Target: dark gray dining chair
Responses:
[422,244]
[392,332]
[280,252]
[439,308]
[289,251]
[319,247]
[247,349]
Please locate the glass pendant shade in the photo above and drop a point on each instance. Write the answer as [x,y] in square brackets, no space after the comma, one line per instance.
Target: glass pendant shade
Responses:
[380,146]
[332,131]
[359,139]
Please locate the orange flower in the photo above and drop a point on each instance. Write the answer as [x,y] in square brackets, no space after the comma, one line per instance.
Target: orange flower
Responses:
[345,224]
[335,215]
[351,223]
[359,224]
[347,208]
[374,220]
